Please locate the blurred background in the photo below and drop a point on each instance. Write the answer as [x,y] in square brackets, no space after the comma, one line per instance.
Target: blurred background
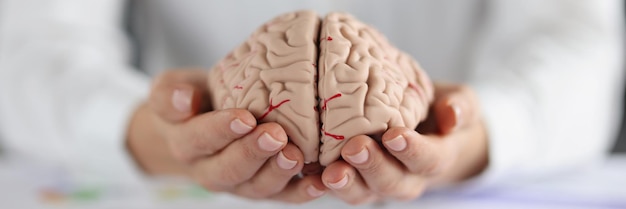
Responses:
[27,185]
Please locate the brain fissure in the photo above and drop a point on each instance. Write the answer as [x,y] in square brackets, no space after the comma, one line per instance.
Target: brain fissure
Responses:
[324,80]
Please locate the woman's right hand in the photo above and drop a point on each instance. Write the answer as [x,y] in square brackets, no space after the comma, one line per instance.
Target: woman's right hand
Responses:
[223,150]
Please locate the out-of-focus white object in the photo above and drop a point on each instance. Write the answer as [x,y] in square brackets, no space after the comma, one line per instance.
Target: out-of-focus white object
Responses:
[67,87]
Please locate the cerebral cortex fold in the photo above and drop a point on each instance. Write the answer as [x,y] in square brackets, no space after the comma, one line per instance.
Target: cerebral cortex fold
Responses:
[323,80]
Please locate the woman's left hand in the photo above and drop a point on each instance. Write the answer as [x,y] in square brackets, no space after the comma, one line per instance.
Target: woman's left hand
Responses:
[450,146]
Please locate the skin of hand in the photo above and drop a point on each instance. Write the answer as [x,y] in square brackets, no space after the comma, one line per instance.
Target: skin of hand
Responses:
[448,147]
[224,151]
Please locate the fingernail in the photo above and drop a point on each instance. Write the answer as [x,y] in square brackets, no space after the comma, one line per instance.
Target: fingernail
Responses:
[314,192]
[284,162]
[360,157]
[396,144]
[457,115]
[339,184]
[268,143]
[181,99]
[239,127]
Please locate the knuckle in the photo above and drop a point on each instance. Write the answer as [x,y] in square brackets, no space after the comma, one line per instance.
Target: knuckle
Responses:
[203,139]
[413,154]
[374,166]
[423,162]
[230,175]
[248,152]
[227,134]
[431,167]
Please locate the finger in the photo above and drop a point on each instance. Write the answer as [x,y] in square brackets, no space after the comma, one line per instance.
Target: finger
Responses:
[240,160]
[454,107]
[177,95]
[312,169]
[302,190]
[381,172]
[416,152]
[274,175]
[346,184]
[209,133]
[446,115]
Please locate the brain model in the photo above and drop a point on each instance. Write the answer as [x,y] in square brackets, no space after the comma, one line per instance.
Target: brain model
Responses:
[322,80]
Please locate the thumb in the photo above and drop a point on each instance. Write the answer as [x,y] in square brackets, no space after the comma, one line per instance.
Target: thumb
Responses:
[178,95]
[455,109]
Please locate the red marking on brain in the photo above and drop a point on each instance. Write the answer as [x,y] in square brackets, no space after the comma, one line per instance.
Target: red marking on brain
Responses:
[334,136]
[359,83]
[272,108]
[329,99]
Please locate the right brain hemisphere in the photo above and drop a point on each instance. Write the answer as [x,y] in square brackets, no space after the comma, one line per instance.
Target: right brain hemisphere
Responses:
[360,84]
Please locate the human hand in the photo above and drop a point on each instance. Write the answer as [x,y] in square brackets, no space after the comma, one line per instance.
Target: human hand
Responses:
[224,151]
[451,147]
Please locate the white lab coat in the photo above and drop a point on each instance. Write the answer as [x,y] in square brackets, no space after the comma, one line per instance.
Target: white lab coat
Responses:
[547,72]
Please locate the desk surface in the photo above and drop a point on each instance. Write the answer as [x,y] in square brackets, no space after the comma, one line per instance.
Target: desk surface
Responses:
[22,187]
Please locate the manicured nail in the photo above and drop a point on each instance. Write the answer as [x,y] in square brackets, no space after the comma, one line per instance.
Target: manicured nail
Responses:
[181,99]
[396,144]
[360,157]
[339,184]
[268,143]
[239,127]
[314,192]
[284,162]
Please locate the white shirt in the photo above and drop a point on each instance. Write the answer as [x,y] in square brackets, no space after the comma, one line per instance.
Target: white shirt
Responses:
[548,73]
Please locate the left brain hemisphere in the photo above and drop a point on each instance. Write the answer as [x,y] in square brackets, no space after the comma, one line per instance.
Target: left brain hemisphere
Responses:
[276,64]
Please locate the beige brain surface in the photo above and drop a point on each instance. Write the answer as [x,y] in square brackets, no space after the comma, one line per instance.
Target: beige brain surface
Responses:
[359,83]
